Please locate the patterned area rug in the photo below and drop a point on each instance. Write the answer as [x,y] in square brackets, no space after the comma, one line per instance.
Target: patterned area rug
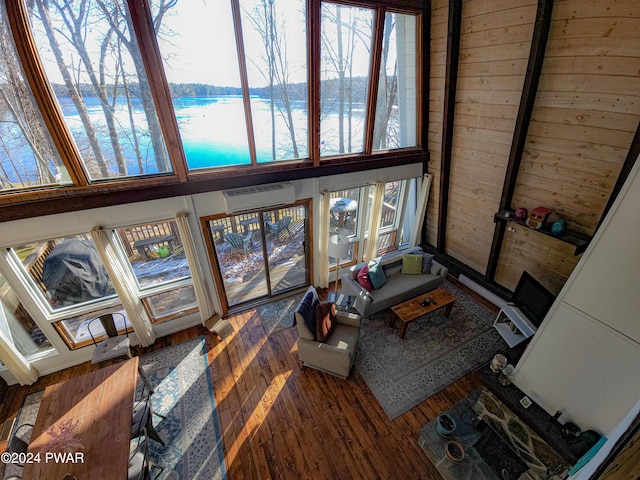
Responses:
[184,395]
[279,315]
[435,352]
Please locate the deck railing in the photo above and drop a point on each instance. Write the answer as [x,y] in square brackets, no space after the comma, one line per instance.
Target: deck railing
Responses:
[143,232]
[234,223]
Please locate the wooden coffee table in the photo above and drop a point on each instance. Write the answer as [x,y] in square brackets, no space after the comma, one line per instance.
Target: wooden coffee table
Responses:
[410,310]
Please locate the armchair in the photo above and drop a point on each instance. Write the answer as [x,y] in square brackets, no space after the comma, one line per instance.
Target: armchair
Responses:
[337,354]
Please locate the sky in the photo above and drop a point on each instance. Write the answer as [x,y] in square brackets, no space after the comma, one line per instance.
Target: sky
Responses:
[204,51]
[199,46]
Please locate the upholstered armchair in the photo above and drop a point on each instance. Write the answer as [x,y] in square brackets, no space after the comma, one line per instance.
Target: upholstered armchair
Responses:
[337,354]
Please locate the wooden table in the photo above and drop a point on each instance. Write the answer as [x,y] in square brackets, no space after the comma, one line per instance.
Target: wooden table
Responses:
[218,233]
[410,310]
[341,209]
[89,416]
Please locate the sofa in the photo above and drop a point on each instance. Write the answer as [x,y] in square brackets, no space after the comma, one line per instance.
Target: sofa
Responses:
[399,286]
[335,355]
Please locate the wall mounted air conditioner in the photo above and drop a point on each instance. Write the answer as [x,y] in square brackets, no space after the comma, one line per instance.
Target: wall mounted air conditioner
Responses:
[258,197]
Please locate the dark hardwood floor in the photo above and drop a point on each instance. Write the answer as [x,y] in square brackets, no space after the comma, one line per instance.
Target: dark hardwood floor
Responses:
[279,421]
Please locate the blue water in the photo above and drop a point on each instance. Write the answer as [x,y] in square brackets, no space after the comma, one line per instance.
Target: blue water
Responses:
[213,132]
[212,129]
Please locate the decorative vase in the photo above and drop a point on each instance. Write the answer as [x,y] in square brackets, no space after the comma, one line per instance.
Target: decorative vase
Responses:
[454,451]
[445,424]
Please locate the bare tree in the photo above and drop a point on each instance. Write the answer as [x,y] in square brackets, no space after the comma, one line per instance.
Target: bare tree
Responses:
[120,22]
[387,91]
[72,86]
[264,18]
[17,108]
[340,57]
[85,24]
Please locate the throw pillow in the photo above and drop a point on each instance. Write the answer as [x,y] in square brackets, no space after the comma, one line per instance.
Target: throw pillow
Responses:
[412,264]
[363,278]
[435,268]
[377,276]
[325,318]
[390,269]
[427,261]
[307,310]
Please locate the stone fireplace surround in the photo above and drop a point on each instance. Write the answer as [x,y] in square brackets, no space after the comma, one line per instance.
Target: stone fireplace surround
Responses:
[541,459]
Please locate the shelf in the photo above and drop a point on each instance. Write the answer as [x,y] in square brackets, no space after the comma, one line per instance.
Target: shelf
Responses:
[511,314]
[577,239]
[509,336]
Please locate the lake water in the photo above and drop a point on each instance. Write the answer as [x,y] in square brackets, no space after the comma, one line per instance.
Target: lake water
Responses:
[213,132]
[213,129]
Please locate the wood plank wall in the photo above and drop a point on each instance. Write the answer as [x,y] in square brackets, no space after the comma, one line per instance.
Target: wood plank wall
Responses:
[494,48]
[438,44]
[585,115]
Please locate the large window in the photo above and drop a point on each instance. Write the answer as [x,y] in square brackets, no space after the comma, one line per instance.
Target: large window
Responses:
[180,88]
[348,215]
[396,114]
[71,285]
[28,157]
[16,324]
[346,47]
[158,262]
[276,57]
[66,272]
[94,65]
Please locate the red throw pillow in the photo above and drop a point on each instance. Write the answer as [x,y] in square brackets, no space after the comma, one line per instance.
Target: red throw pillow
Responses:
[363,278]
[325,317]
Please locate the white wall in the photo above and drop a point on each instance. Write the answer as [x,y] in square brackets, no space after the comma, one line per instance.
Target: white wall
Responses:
[197,206]
[585,358]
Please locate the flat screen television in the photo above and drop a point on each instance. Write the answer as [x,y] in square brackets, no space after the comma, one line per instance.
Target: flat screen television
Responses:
[532,298]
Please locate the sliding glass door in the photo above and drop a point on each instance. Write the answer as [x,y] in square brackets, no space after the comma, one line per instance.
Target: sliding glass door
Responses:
[259,254]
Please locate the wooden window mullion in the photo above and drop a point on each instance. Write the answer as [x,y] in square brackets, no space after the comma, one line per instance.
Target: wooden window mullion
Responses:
[244,80]
[144,31]
[314,39]
[374,78]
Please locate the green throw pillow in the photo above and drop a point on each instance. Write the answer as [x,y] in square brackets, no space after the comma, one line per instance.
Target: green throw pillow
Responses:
[377,276]
[411,264]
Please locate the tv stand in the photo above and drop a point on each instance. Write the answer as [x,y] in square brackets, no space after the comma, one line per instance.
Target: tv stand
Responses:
[513,325]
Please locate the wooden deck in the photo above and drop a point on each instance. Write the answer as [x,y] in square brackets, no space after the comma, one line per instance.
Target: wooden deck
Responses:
[284,276]
[282,422]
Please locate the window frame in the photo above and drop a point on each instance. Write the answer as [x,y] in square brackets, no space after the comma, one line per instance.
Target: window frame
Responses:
[359,239]
[143,292]
[140,13]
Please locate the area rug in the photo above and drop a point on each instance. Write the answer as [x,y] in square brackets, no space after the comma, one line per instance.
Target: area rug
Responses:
[435,352]
[184,395]
[485,454]
[278,315]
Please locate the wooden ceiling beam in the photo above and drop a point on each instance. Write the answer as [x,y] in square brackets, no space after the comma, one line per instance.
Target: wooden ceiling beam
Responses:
[527,101]
[451,82]
[86,199]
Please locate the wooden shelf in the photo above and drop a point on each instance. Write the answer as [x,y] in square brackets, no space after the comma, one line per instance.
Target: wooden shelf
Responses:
[577,239]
